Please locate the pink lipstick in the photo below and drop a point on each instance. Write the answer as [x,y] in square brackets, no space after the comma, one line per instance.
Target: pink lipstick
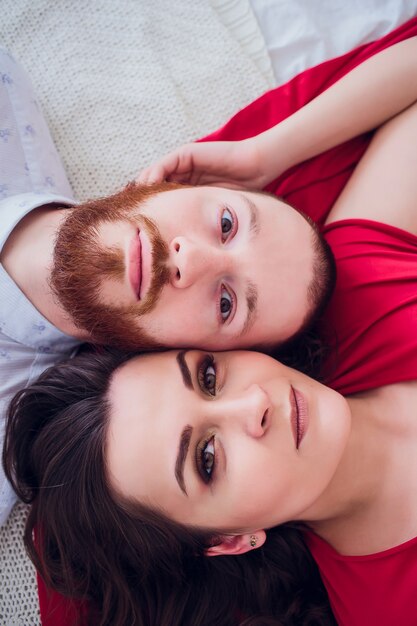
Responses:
[135,264]
[299,415]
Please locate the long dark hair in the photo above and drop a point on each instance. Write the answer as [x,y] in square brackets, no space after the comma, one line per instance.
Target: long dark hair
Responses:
[132,564]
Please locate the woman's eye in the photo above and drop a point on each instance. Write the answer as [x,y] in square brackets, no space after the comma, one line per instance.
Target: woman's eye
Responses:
[226,304]
[207,458]
[227,223]
[210,380]
[207,376]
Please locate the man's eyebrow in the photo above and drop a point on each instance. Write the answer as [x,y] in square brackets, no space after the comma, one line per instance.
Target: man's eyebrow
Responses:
[181,457]
[254,226]
[184,369]
[251,290]
[251,302]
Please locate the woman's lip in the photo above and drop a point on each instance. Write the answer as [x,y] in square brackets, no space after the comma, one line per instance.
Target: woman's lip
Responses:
[135,264]
[299,415]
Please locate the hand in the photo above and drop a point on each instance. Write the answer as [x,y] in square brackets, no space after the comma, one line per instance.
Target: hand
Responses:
[223,163]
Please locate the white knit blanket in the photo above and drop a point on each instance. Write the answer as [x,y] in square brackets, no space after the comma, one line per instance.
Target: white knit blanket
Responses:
[120,83]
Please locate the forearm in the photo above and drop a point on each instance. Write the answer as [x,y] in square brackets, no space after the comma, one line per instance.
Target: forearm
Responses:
[369,95]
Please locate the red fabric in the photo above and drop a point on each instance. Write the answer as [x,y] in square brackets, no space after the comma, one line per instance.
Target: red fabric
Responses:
[377,345]
[56,610]
[375,589]
[312,186]
[372,315]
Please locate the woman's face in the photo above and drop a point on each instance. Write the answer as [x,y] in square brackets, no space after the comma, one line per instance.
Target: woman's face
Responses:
[232,441]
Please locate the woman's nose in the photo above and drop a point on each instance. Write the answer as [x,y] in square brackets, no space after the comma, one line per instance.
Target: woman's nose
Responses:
[252,411]
[190,261]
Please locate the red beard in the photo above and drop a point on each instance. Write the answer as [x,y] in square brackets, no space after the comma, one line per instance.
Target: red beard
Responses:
[80,265]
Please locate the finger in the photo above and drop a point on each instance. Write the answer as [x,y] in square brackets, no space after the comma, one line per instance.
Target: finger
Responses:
[156,175]
[142,177]
[159,171]
[152,175]
[148,176]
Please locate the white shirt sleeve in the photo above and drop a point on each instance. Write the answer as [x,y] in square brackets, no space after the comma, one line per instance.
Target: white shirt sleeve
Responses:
[29,161]
[31,175]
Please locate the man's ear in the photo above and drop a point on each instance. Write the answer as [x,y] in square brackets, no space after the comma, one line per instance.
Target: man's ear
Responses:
[238,544]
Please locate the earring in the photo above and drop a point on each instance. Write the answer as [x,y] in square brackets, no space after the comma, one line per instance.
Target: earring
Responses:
[253,541]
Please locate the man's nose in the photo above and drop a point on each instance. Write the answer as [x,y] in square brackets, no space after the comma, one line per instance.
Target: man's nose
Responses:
[190,261]
[252,410]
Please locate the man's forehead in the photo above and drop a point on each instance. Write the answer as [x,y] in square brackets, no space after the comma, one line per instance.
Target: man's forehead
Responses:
[204,194]
[160,199]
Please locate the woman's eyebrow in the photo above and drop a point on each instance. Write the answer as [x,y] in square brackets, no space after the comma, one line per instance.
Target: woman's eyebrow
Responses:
[184,369]
[181,457]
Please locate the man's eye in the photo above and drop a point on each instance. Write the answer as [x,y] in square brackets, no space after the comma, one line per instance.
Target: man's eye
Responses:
[206,459]
[207,378]
[226,304]
[227,223]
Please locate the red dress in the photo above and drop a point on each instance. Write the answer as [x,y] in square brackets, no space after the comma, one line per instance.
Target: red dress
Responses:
[373,590]
[372,315]
[376,346]
[313,187]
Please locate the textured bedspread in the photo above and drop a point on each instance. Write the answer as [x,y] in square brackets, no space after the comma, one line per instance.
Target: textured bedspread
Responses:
[122,82]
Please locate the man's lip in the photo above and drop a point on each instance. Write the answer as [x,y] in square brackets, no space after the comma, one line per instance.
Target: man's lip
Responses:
[299,415]
[135,264]
[146,263]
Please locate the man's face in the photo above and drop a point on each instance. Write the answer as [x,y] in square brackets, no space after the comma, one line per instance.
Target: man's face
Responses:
[235,269]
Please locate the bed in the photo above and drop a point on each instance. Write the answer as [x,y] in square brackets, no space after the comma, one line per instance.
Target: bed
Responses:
[122,83]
